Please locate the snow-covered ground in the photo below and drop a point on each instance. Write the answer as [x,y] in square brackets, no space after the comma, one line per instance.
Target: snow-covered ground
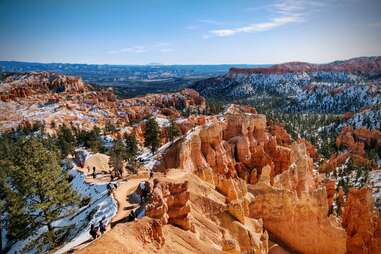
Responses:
[375,184]
[101,206]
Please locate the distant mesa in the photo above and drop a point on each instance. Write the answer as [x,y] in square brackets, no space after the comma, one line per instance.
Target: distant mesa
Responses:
[363,66]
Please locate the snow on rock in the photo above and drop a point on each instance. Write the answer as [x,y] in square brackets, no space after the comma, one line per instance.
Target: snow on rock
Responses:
[162,122]
[375,184]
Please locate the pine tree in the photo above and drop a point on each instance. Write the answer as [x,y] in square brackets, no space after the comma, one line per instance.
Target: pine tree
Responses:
[40,193]
[173,130]
[65,140]
[90,139]
[95,143]
[117,156]
[132,149]
[152,135]
[110,127]
[4,201]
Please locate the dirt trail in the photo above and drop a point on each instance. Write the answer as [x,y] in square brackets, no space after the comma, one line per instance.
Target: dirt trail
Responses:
[120,194]
[126,185]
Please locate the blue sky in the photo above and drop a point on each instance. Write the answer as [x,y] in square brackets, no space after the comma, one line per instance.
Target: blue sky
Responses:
[188,32]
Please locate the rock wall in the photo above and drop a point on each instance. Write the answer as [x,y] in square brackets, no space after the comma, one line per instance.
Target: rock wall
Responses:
[170,204]
[294,208]
[25,85]
[239,145]
[362,223]
[261,179]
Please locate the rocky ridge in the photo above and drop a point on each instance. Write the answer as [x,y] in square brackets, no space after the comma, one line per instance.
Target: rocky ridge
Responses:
[370,66]
[28,84]
[338,87]
[280,188]
[50,97]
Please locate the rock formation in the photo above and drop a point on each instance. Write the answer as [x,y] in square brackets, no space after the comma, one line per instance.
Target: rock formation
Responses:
[295,209]
[143,236]
[170,204]
[362,223]
[236,146]
[50,97]
[358,139]
[25,85]
[355,142]
[362,65]
[238,149]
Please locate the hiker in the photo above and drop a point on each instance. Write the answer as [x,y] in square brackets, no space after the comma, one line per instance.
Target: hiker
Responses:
[150,174]
[94,231]
[110,188]
[117,174]
[131,216]
[145,192]
[94,173]
[112,175]
[88,169]
[102,225]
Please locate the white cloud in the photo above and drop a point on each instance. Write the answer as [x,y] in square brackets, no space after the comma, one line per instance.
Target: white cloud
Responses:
[257,27]
[164,50]
[210,21]
[376,24]
[191,27]
[159,46]
[135,49]
[285,11]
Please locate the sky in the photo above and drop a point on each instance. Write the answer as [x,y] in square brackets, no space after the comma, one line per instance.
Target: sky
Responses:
[188,32]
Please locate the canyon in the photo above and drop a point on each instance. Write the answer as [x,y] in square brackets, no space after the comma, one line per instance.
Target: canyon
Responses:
[228,186]
[233,182]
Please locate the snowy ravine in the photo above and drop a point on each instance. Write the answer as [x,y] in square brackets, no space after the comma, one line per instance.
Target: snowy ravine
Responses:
[101,205]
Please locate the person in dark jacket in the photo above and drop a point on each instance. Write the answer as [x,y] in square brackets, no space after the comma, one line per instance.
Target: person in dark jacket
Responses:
[94,173]
[131,216]
[102,225]
[110,188]
[94,231]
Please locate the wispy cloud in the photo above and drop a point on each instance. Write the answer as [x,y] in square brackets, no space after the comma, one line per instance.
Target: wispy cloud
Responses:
[376,24]
[191,27]
[210,21]
[134,49]
[256,27]
[199,23]
[164,50]
[160,46]
[285,12]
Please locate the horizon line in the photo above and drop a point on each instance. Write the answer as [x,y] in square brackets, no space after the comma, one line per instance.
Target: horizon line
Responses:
[184,64]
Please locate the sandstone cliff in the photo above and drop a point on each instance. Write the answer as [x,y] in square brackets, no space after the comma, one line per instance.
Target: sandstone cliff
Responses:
[261,179]
[25,85]
[362,223]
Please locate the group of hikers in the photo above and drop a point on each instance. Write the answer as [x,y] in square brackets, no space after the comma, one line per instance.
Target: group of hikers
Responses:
[111,187]
[94,174]
[145,193]
[97,231]
[113,173]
